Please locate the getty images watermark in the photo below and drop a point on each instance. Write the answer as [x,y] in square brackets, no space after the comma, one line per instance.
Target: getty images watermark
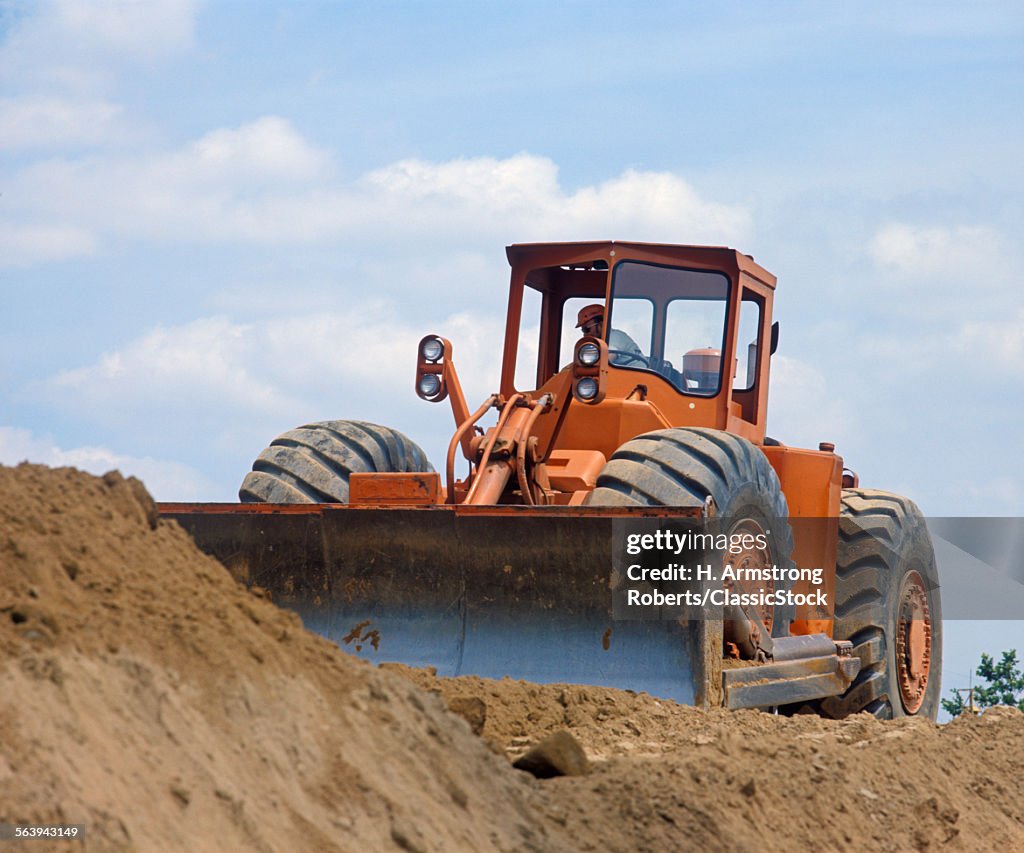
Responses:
[690,568]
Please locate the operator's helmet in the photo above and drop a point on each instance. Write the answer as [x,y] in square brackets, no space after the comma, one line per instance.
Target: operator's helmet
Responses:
[588,313]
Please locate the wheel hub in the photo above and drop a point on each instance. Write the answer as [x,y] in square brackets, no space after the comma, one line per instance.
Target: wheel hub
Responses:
[753,558]
[913,642]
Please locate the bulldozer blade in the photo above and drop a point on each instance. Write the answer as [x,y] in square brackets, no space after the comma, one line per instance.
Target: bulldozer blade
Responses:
[490,591]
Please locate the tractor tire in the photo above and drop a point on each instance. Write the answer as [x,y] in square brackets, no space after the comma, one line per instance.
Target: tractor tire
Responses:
[312,463]
[684,467]
[888,606]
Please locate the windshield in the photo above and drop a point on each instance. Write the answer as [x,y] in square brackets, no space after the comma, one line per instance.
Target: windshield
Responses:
[670,321]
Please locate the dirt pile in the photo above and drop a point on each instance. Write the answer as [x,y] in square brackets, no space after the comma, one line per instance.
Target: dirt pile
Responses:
[746,780]
[146,694]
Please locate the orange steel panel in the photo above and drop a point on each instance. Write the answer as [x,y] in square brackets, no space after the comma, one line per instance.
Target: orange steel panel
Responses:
[574,470]
[678,409]
[812,482]
[394,489]
[607,425]
[745,429]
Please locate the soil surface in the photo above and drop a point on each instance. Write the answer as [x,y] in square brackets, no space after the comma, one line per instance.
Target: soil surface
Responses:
[146,694]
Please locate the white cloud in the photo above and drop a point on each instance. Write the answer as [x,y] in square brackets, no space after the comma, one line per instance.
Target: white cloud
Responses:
[222,390]
[803,409]
[522,195]
[24,245]
[136,27]
[998,343]
[207,363]
[999,496]
[266,149]
[511,183]
[233,384]
[166,480]
[74,45]
[58,58]
[255,182]
[962,353]
[263,182]
[36,121]
[939,256]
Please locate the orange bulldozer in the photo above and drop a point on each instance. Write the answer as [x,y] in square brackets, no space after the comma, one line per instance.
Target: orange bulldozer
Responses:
[623,521]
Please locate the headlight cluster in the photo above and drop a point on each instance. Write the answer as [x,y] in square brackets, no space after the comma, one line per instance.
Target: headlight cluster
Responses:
[430,368]
[589,370]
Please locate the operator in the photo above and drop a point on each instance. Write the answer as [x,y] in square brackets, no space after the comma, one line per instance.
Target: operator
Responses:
[624,350]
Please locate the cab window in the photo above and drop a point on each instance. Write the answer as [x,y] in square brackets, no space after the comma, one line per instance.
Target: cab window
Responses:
[682,329]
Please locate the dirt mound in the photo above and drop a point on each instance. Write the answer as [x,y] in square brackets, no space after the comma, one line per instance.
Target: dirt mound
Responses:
[149,696]
[748,780]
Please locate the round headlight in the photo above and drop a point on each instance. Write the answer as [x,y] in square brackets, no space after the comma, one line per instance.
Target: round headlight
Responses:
[431,349]
[589,355]
[586,388]
[430,384]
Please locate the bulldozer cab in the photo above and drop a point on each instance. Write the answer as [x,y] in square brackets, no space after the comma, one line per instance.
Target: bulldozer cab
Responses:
[687,331]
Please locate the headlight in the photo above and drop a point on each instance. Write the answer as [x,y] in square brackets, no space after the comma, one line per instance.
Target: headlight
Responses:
[431,349]
[589,355]
[586,388]
[430,384]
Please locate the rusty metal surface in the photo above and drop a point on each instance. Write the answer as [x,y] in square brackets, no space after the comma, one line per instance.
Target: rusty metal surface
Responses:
[410,489]
[503,510]
[913,642]
[489,591]
[788,682]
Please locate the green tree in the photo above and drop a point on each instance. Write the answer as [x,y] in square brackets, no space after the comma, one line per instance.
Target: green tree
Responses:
[1005,685]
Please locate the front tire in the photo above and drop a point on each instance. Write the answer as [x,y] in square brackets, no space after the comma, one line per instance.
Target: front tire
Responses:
[312,463]
[686,466]
[888,606]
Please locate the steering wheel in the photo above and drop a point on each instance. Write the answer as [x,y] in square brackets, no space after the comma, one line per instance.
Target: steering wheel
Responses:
[627,357]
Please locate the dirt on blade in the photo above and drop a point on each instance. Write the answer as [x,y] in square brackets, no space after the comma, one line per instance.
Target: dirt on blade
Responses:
[147,695]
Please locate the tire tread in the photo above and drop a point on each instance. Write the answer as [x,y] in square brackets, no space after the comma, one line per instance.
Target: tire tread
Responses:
[312,463]
[875,530]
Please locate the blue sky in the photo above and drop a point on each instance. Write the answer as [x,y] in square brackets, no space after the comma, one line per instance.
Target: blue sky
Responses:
[219,220]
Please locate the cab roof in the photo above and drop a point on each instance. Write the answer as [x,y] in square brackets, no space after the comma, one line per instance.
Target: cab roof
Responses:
[569,253]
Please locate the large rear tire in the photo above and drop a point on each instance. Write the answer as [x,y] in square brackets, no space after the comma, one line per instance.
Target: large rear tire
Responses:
[888,606]
[684,467]
[312,463]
